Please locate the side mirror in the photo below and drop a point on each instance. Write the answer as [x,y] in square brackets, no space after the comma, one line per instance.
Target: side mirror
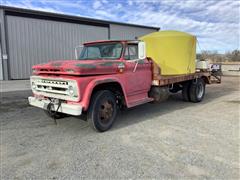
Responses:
[76,51]
[141,50]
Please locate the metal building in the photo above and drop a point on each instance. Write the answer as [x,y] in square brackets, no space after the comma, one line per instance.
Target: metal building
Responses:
[29,37]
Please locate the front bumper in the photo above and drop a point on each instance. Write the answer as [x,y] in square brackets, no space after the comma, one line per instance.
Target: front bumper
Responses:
[71,109]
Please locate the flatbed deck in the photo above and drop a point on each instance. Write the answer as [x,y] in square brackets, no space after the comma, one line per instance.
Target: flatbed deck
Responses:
[161,80]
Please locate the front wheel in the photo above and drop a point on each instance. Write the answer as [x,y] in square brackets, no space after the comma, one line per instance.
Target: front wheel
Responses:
[102,111]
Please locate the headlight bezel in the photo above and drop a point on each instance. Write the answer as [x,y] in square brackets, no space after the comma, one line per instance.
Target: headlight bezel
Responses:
[33,85]
[72,91]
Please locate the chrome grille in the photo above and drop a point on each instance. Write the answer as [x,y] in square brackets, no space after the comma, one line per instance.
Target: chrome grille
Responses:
[55,88]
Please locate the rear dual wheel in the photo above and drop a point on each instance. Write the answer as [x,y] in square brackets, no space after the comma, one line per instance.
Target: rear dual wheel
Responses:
[194,91]
[102,111]
[185,91]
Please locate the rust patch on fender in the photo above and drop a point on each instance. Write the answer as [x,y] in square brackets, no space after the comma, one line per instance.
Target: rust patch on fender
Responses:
[87,66]
[103,81]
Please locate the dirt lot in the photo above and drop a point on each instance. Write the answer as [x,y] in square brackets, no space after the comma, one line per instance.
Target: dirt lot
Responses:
[174,139]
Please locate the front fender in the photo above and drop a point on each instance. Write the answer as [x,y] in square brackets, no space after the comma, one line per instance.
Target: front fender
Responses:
[92,84]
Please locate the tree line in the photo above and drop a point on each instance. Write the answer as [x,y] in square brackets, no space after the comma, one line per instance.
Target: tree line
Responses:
[214,56]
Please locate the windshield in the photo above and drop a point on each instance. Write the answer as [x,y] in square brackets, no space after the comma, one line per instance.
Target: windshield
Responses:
[101,51]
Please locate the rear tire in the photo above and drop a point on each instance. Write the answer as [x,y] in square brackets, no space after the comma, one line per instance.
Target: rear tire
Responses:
[185,91]
[102,111]
[197,90]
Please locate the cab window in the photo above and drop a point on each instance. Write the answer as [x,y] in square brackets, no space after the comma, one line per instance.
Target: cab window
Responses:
[100,51]
[131,52]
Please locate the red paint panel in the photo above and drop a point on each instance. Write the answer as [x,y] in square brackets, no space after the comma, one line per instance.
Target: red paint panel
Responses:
[134,77]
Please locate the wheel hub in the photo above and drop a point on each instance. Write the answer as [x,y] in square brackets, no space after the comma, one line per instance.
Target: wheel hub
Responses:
[200,90]
[106,112]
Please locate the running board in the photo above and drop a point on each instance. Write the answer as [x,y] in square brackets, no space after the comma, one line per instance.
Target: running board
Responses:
[139,102]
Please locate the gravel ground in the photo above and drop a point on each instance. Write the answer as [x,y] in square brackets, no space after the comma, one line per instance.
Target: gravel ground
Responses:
[174,139]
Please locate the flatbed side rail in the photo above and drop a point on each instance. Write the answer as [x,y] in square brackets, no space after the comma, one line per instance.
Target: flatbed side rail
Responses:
[210,78]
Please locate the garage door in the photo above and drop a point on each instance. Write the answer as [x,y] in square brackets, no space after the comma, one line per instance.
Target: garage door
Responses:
[33,41]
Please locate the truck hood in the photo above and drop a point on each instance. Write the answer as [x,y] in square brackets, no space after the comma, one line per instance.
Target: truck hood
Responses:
[78,67]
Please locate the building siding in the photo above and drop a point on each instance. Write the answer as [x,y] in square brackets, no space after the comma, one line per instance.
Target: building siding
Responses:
[3,58]
[33,41]
[29,37]
[128,32]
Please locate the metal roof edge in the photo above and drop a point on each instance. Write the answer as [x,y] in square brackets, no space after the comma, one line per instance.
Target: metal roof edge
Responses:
[68,16]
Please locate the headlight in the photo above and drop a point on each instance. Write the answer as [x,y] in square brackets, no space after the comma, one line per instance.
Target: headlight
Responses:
[34,86]
[71,90]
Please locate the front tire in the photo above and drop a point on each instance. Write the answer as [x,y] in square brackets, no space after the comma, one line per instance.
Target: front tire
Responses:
[102,111]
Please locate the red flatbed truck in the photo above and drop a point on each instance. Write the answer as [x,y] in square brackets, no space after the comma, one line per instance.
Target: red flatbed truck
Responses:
[107,76]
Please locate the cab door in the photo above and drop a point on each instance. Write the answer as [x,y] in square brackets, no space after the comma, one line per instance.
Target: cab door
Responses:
[138,74]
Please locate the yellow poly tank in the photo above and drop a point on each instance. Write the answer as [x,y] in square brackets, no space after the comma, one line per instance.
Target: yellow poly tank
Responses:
[173,51]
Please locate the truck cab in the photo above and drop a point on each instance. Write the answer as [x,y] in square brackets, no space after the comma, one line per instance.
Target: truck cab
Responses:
[106,76]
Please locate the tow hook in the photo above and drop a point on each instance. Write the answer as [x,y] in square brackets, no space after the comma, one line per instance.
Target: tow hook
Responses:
[51,108]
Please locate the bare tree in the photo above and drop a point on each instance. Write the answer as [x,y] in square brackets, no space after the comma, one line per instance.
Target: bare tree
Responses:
[214,56]
[234,55]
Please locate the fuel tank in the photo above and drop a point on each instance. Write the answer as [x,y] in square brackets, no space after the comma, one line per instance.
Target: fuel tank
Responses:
[173,51]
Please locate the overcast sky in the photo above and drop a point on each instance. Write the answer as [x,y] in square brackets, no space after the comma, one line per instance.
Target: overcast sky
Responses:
[214,22]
